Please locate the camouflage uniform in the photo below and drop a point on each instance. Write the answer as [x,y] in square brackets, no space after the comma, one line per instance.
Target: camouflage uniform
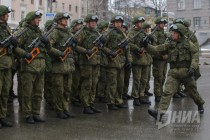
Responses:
[159,62]
[89,69]
[183,60]
[101,87]
[6,65]
[115,67]
[140,64]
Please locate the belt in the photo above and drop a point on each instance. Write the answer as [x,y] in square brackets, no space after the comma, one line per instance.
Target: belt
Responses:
[182,64]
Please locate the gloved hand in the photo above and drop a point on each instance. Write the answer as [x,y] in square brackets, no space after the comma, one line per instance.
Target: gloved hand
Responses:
[190,72]
[112,54]
[28,56]
[124,44]
[144,43]
[14,41]
[128,65]
[73,43]
[151,38]
[140,50]
[44,40]
[102,40]
[88,52]
[63,54]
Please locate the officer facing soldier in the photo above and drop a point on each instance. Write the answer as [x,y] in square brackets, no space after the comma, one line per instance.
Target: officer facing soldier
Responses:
[183,60]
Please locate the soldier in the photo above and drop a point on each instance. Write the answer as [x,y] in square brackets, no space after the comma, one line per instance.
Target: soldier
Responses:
[89,68]
[47,80]
[75,100]
[32,74]
[61,70]
[147,28]
[127,70]
[183,60]
[101,87]
[141,61]
[159,60]
[6,63]
[116,62]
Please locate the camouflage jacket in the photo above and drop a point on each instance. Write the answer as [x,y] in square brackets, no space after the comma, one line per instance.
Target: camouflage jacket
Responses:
[181,54]
[57,38]
[112,40]
[159,38]
[85,41]
[6,61]
[135,44]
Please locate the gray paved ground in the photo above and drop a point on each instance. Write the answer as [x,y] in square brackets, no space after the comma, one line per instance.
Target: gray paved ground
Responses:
[133,123]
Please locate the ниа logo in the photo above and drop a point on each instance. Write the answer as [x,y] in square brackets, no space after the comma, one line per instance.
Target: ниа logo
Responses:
[181,117]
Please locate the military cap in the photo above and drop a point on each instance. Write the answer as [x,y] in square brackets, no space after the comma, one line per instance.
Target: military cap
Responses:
[180,28]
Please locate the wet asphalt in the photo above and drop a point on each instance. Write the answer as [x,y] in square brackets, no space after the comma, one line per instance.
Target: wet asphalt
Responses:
[132,123]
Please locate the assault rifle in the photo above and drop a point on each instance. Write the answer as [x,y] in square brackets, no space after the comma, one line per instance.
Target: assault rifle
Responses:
[36,44]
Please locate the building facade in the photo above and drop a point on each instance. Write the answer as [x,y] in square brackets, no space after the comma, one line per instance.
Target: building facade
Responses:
[196,11]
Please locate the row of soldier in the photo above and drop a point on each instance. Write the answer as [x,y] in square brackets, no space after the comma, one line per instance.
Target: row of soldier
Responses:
[81,61]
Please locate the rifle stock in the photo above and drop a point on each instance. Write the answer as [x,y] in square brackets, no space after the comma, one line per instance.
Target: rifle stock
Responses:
[67,51]
[95,50]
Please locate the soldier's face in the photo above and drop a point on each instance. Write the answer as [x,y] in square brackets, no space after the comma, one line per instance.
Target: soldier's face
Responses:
[139,24]
[77,27]
[5,17]
[161,25]
[63,22]
[36,21]
[118,24]
[92,24]
[175,35]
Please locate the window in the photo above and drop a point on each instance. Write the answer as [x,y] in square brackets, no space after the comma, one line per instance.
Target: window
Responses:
[76,9]
[83,10]
[181,4]
[63,6]
[197,21]
[147,11]
[12,15]
[22,14]
[22,0]
[32,1]
[197,4]
[70,7]
[40,2]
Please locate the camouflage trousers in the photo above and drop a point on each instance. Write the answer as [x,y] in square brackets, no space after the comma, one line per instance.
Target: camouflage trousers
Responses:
[171,86]
[61,89]
[148,79]
[159,72]
[48,87]
[115,84]
[140,75]
[101,87]
[75,85]
[5,84]
[127,75]
[32,85]
[88,80]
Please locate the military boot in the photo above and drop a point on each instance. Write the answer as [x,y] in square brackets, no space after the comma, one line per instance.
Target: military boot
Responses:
[94,109]
[136,102]
[144,101]
[76,103]
[61,115]
[176,96]
[182,94]
[112,107]
[68,114]
[0,125]
[6,123]
[103,99]
[201,109]
[147,93]
[30,120]
[121,106]
[153,113]
[38,119]
[88,110]
[157,98]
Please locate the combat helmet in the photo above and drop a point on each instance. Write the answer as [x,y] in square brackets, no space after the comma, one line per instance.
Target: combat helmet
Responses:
[91,17]
[32,15]
[146,25]
[102,25]
[61,15]
[117,18]
[4,10]
[179,28]
[137,19]
[159,20]
[76,21]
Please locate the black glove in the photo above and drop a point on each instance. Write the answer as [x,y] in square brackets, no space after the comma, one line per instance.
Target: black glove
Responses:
[151,38]
[190,72]
[102,40]
[112,54]
[14,41]
[144,43]
[128,65]
[44,40]
[124,44]
[140,50]
[88,52]
[63,54]
[28,56]
[73,43]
